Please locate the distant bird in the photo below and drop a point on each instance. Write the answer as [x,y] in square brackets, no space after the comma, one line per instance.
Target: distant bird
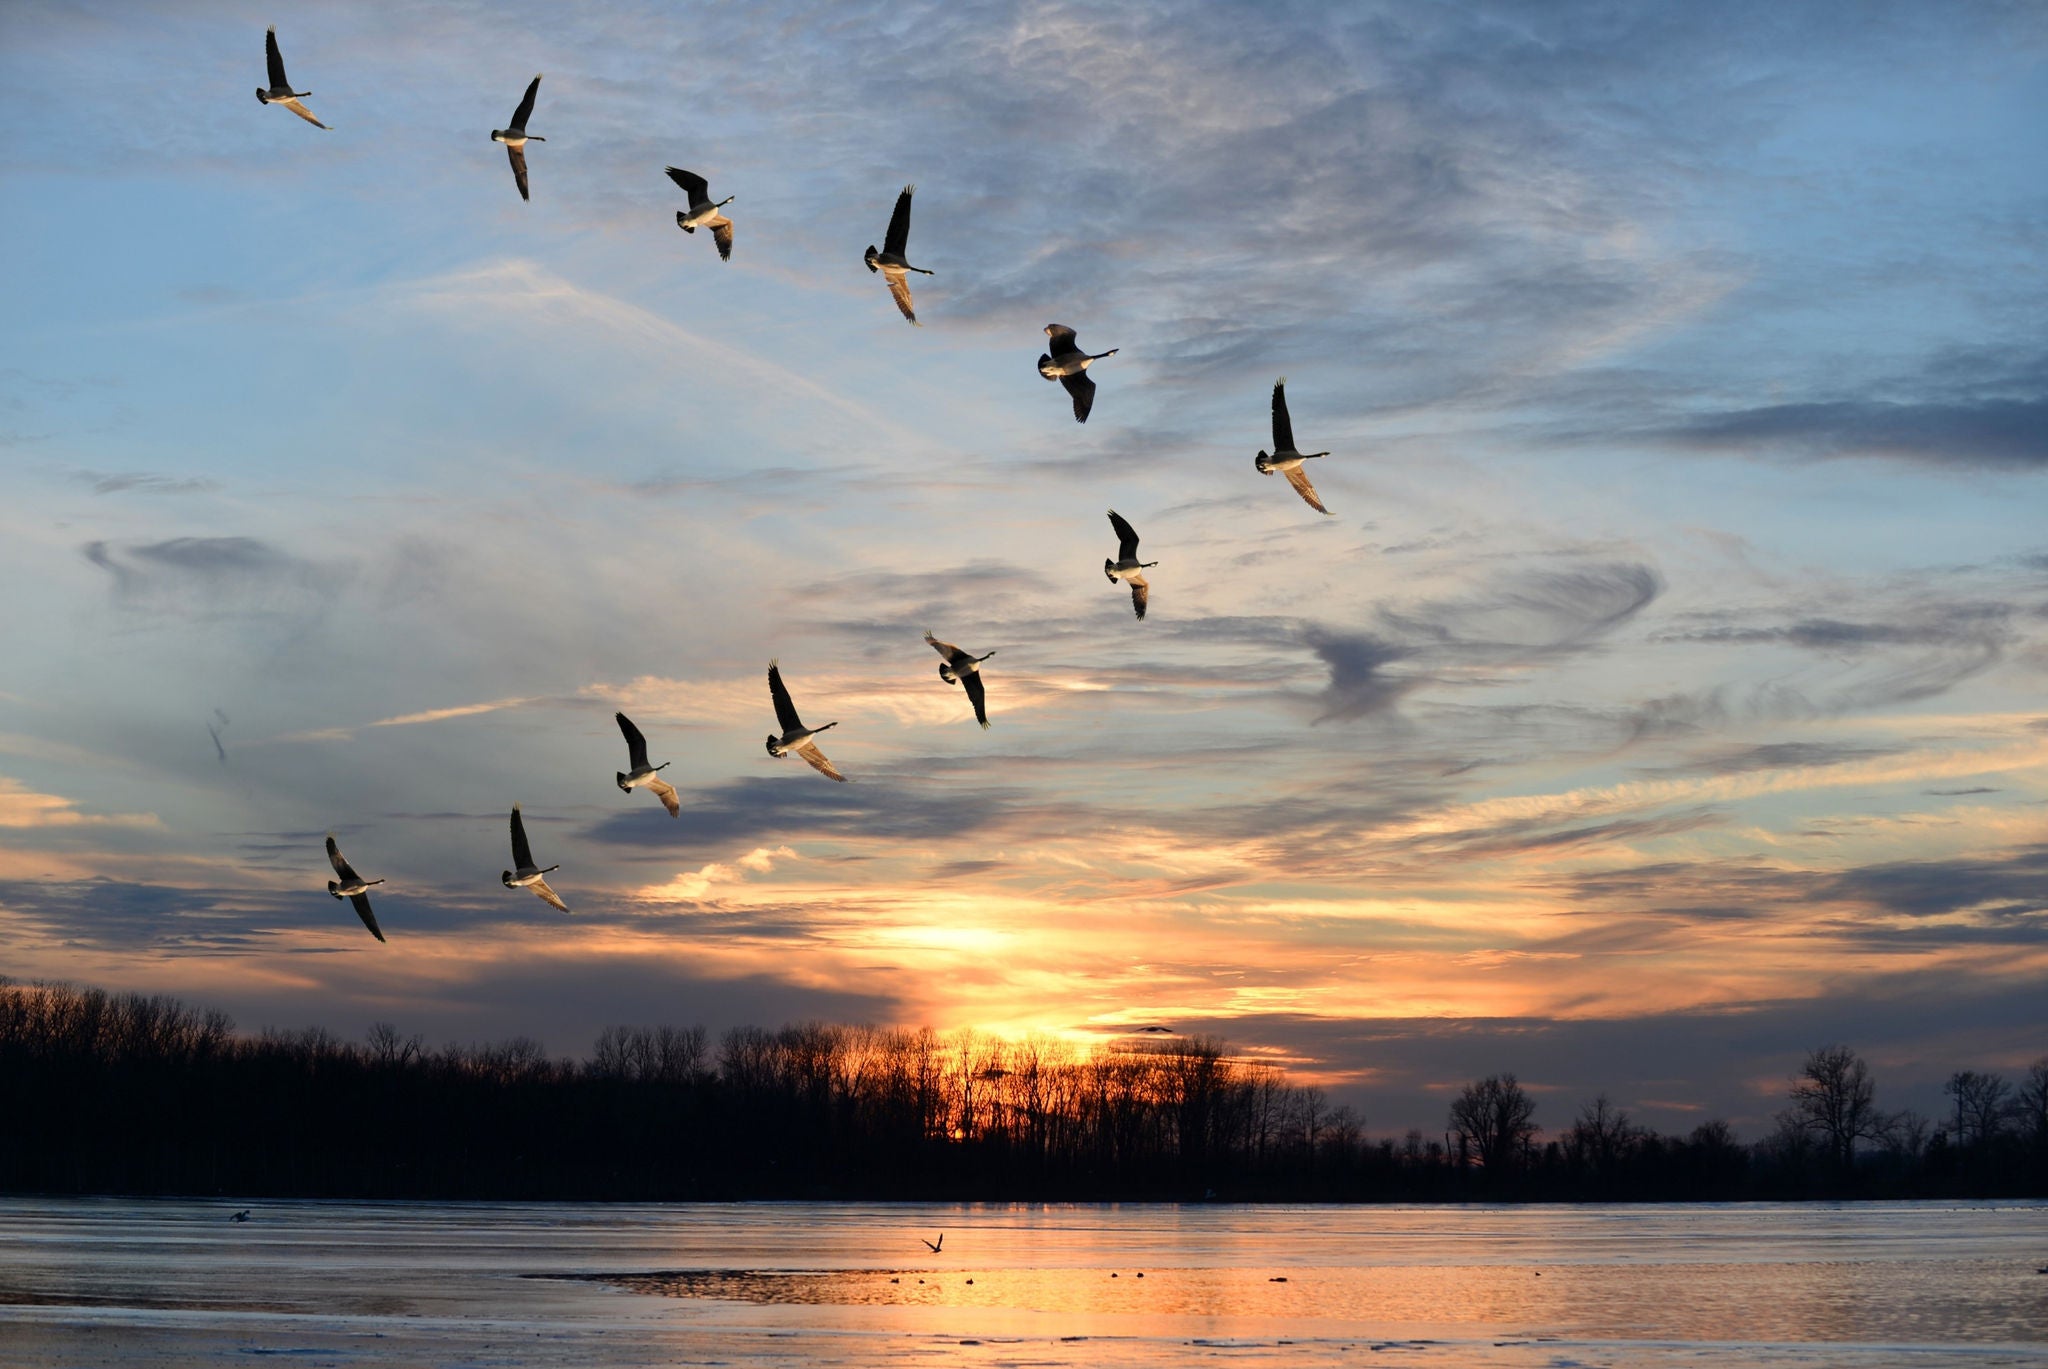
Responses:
[1127,567]
[891,262]
[795,736]
[702,212]
[933,1246]
[352,887]
[516,137]
[1068,364]
[215,731]
[642,773]
[526,876]
[1156,1030]
[962,669]
[1283,456]
[241,1216]
[280,91]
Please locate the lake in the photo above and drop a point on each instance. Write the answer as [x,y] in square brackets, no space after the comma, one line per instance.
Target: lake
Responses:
[126,1282]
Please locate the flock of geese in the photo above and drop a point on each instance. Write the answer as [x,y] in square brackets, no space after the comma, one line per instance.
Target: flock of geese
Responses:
[1063,361]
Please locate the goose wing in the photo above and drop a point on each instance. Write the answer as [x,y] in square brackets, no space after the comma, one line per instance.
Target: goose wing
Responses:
[946,649]
[1083,390]
[721,233]
[1299,479]
[695,186]
[1283,427]
[522,854]
[1141,592]
[1062,339]
[291,102]
[976,695]
[547,895]
[362,902]
[899,288]
[341,866]
[898,241]
[518,156]
[275,61]
[525,110]
[667,794]
[785,711]
[1126,537]
[636,744]
[810,752]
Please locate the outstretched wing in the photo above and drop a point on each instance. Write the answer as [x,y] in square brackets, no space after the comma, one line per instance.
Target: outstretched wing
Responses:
[362,902]
[977,696]
[636,745]
[1299,479]
[525,110]
[899,287]
[945,649]
[898,240]
[1126,537]
[667,794]
[291,102]
[693,185]
[522,854]
[721,233]
[1283,428]
[785,711]
[341,866]
[1141,592]
[540,886]
[518,156]
[1083,390]
[275,60]
[810,752]
[1062,339]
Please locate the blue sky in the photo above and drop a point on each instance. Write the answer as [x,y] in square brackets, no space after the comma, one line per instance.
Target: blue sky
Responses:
[1662,700]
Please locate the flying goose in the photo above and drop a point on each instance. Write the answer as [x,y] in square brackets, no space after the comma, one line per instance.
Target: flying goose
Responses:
[891,262]
[1283,456]
[1068,364]
[933,1246]
[703,213]
[516,138]
[280,91]
[642,773]
[962,669]
[795,736]
[352,887]
[527,877]
[1127,567]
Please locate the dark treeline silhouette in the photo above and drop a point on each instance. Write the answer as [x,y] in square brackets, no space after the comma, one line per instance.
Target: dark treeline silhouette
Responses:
[103,1093]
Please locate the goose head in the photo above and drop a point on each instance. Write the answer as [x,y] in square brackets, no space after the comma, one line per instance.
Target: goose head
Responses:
[948,674]
[507,877]
[624,788]
[871,256]
[776,748]
[1109,569]
[334,887]
[1263,462]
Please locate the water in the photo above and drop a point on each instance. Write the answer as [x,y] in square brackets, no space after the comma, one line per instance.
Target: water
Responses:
[135,1283]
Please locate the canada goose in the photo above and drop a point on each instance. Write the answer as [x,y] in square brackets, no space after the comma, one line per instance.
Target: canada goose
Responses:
[933,1246]
[1068,364]
[1283,456]
[280,91]
[241,1216]
[516,137]
[526,876]
[642,773]
[891,262]
[1127,567]
[962,669]
[795,736]
[352,887]
[702,212]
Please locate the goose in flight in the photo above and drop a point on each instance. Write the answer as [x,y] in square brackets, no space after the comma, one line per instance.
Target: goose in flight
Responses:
[795,736]
[1068,364]
[526,876]
[1127,567]
[352,887]
[959,668]
[933,1246]
[516,137]
[702,212]
[280,91]
[642,773]
[891,262]
[1283,456]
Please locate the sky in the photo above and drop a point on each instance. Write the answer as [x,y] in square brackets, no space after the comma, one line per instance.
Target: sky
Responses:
[1664,697]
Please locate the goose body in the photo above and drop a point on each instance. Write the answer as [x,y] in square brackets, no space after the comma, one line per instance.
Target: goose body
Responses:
[516,137]
[1127,567]
[796,738]
[524,874]
[352,887]
[962,668]
[702,213]
[1068,364]
[1284,457]
[642,774]
[279,91]
[935,1246]
[892,262]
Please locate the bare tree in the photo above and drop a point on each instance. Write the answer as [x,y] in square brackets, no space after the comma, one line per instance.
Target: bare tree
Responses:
[1983,1104]
[1495,1118]
[2031,1107]
[1835,1100]
[1601,1137]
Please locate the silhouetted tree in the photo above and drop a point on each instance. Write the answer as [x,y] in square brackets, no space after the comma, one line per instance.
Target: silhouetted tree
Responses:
[1983,1104]
[1835,1101]
[1495,1118]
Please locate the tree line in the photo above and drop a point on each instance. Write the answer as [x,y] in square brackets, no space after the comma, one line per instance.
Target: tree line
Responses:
[140,1094]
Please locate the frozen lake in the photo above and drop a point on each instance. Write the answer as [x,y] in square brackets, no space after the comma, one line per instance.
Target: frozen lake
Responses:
[125,1282]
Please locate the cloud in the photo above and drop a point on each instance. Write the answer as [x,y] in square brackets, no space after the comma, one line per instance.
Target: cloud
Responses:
[208,576]
[1359,687]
